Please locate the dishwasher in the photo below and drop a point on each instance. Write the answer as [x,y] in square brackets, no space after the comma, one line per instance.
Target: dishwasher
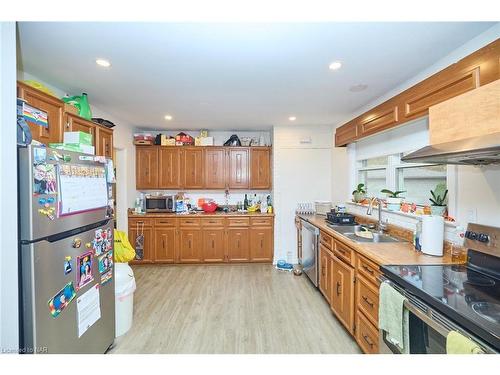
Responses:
[309,254]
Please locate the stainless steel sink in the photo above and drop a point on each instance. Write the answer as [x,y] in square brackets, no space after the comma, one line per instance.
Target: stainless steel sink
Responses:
[350,231]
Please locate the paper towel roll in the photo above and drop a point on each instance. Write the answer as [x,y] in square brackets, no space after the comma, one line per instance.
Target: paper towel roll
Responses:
[432,235]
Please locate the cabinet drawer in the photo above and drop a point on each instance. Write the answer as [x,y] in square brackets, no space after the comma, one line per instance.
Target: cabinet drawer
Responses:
[189,222]
[366,335]
[166,222]
[141,221]
[262,221]
[238,222]
[326,240]
[344,252]
[367,299]
[213,222]
[368,269]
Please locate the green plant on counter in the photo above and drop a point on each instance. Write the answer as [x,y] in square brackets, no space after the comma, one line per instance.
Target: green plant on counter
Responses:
[360,189]
[438,199]
[393,194]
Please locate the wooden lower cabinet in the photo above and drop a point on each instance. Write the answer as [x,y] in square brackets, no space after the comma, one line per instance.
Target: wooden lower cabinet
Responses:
[366,334]
[343,293]
[165,240]
[238,245]
[190,246]
[213,245]
[136,228]
[325,272]
[367,299]
[261,244]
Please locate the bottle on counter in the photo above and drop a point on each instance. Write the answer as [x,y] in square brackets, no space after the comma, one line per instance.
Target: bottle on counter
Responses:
[245,203]
[417,235]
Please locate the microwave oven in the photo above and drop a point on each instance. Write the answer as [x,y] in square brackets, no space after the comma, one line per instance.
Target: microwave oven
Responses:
[160,203]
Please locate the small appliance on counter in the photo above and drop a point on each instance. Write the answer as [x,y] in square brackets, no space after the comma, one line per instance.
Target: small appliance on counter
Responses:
[340,218]
[160,203]
[322,207]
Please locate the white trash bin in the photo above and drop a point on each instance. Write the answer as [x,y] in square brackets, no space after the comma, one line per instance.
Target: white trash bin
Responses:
[124,298]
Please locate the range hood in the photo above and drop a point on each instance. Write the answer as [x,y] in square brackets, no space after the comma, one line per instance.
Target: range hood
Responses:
[480,150]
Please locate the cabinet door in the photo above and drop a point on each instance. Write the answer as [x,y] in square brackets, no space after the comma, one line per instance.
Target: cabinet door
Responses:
[325,273]
[260,168]
[213,245]
[215,166]
[147,231]
[146,161]
[77,124]
[343,293]
[164,245]
[190,246]
[238,245]
[193,168]
[53,133]
[261,244]
[104,142]
[238,168]
[169,171]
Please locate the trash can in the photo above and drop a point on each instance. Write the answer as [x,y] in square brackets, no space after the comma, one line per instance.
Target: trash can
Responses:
[124,298]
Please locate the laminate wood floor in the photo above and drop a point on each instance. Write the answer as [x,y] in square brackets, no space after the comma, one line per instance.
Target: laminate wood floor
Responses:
[240,309]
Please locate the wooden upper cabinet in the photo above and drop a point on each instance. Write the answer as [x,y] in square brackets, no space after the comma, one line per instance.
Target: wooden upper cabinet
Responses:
[343,293]
[146,167]
[104,142]
[192,168]
[77,124]
[378,120]
[260,168]
[53,133]
[169,168]
[477,69]
[215,167]
[346,134]
[238,168]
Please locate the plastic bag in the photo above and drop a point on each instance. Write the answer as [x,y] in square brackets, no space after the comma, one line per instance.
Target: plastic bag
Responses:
[124,252]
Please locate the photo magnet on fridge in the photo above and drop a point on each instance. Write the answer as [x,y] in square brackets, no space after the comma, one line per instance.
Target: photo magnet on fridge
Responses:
[67,265]
[106,277]
[106,262]
[84,274]
[62,299]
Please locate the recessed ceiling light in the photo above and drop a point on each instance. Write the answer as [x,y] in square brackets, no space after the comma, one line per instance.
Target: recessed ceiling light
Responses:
[168,117]
[103,62]
[359,87]
[335,65]
[292,118]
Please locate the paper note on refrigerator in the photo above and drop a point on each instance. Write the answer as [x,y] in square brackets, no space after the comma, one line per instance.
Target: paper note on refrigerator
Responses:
[89,309]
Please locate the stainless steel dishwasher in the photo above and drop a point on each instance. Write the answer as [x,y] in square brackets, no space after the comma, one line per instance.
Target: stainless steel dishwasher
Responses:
[309,257]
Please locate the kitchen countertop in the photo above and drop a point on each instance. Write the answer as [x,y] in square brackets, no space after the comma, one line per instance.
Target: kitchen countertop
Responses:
[387,253]
[199,214]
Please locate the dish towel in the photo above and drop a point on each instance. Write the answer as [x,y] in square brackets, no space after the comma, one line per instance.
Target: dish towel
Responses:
[457,343]
[393,317]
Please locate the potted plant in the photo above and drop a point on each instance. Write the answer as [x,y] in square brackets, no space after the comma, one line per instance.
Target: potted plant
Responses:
[359,194]
[393,199]
[438,201]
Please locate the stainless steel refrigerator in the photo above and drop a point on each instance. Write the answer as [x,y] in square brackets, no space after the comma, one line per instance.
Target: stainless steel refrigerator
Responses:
[66,252]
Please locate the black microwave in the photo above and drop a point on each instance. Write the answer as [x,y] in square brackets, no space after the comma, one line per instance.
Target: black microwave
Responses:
[160,203]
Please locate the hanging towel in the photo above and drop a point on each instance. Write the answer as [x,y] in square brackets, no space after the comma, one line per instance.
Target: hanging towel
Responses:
[393,317]
[456,343]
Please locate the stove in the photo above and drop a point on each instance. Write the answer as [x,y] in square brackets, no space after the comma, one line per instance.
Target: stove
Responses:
[467,294]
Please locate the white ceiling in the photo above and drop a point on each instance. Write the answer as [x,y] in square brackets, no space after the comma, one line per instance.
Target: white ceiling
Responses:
[234,76]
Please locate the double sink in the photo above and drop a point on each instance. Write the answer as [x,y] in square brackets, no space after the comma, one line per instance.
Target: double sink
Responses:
[362,234]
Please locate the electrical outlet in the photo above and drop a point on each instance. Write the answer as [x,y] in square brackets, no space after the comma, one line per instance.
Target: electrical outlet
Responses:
[471,215]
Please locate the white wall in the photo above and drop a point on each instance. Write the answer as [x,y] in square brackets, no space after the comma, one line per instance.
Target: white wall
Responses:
[9,323]
[474,191]
[302,173]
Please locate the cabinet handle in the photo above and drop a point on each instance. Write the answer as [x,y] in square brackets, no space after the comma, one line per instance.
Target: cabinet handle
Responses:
[323,270]
[67,125]
[213,244]
[368,301]
[339,292]
[368,340]
[368,269]
[189,244]
[341,251]
[261,243]
[212,222]
[238,243]
[163,244]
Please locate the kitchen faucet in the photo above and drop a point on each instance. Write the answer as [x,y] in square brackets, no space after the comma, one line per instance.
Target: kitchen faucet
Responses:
[381,226]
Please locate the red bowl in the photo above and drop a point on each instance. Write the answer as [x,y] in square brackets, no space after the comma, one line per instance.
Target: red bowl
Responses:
[209,207]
